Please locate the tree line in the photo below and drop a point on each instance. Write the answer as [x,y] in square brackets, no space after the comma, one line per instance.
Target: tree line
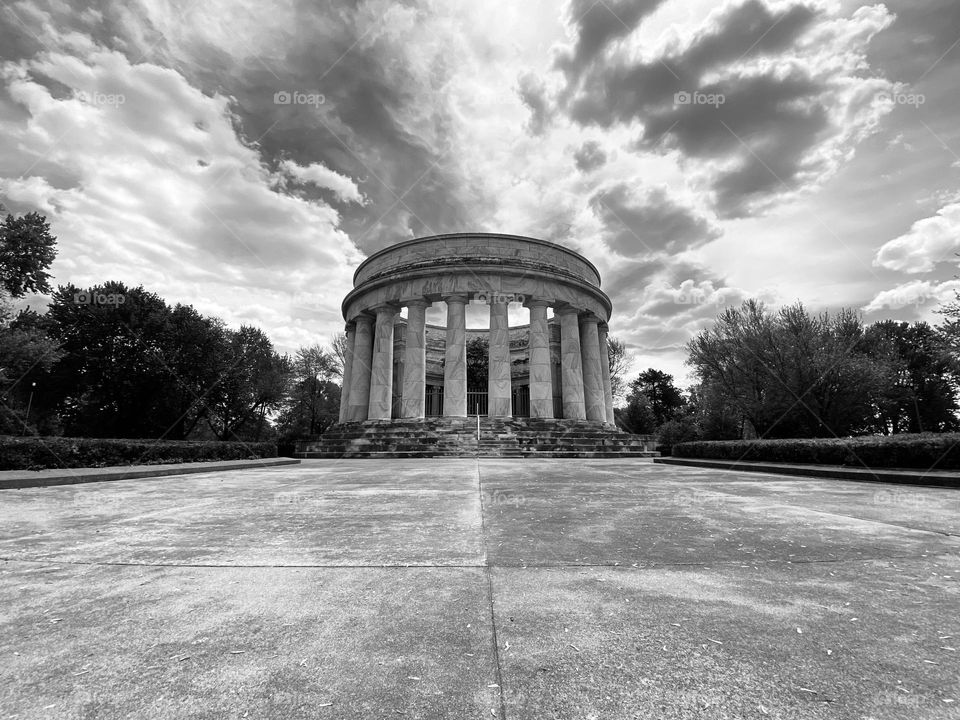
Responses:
[119,361]
[795,374]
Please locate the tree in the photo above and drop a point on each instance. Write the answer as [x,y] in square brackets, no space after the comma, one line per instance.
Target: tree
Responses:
[619,363]
[338,343]
[716,418]
[26,355]
[664,398]
[312,400]
[26,250]
[637,416]
[114,377]
[478,364]
[251,386]
[919,378]
[789,374]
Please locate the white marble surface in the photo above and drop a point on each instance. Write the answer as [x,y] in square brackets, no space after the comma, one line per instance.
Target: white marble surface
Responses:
[571,368]
[381,373]
[538,346]
[592,375]
[414,362]
[455,359]
[351,332]
[605,374]
[498,373]
[360,372]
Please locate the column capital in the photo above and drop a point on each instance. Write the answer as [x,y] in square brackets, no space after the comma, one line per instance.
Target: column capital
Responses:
[363,318]
[456,298]
[418,301]
[351,325]
[536,302]
[385,308]
[589,317]
[566,309]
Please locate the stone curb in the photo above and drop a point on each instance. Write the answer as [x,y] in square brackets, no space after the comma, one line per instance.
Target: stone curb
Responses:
[902,476]
[17,479]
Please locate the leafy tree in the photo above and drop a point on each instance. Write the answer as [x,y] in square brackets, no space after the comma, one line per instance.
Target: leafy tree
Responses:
[252,385]
[664,397]
[478,364]
[716,418]
[113,378]
[789,374]
[312,399]
[919,378]
[26,250]
[637,416]
[26,355]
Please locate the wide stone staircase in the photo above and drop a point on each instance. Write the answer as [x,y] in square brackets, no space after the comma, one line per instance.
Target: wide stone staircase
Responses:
[457,437]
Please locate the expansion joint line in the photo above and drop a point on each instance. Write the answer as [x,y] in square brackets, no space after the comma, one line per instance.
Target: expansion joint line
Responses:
[488,571]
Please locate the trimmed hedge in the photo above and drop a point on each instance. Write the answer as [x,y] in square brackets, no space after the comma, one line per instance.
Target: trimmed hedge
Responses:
[38,453]
[929,451]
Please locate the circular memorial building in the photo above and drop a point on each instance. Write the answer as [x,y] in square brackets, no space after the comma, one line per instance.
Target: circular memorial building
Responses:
[532,376]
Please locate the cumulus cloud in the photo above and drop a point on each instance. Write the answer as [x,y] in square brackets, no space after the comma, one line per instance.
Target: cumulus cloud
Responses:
[914,295]
[321,176]
[762,100]
[589,156]
[647,220]
[145,180]
[926,244]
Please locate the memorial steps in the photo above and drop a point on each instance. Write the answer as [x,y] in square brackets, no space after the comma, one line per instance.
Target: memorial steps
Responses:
[457,437]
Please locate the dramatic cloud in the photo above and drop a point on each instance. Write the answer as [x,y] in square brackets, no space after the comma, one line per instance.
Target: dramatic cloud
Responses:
[145,180]
[323,177]
[649,221]
[763,100]
[589,156]
[929,242]
[915,296]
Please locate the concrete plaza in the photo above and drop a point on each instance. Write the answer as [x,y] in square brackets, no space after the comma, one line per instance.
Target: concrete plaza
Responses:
[466,588]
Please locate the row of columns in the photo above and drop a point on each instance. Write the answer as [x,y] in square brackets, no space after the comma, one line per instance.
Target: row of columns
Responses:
[368,363]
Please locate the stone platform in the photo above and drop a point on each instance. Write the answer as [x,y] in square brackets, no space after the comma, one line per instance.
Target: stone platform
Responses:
[457,437]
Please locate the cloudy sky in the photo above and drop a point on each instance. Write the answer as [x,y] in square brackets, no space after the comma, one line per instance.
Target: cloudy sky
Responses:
[244,156]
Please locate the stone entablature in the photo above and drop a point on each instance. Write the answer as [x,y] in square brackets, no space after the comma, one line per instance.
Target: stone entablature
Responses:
[561,361]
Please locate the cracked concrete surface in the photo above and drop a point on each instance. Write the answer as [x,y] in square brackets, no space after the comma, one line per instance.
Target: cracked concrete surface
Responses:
[465,588]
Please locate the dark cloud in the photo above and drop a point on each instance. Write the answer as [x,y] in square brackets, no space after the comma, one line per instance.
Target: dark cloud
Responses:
[382,123]
[597,24]
[533,93]
[589,156]
[761,124]
[650,222]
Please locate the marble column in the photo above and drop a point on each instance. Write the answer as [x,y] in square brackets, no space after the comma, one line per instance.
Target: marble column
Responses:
[360,369]
[571,367]
[414,360]
[350,331]
[538,348]
[455,358]
[498,360]
[381,373]
[592,374]
[605,371]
